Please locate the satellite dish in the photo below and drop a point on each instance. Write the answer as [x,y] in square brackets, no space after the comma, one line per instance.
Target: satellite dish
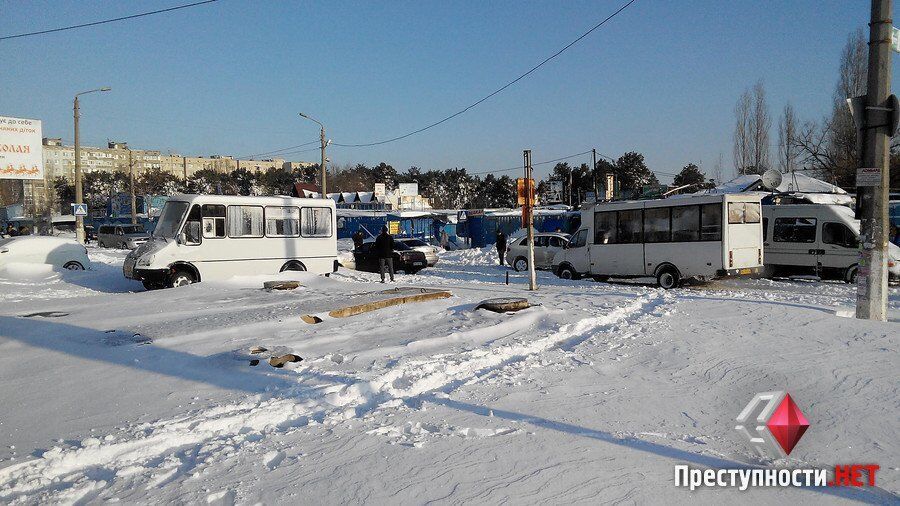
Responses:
[771,179]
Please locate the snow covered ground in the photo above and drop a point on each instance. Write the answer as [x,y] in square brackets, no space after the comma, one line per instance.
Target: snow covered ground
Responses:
[592,395]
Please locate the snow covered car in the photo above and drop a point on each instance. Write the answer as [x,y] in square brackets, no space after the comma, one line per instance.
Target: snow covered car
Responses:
[406,259]
[545,247]
[37,249]
[431,252]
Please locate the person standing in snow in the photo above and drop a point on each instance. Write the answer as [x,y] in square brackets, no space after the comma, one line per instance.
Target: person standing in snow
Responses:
[384,248]
[501,245]
[358,238]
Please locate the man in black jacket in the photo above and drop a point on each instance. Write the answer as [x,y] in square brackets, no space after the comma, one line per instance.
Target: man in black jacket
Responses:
[358,238]
[384,248]
[501,245]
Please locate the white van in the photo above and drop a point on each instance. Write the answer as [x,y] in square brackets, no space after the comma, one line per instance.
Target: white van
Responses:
[816,239]
[214,237]
[702,237]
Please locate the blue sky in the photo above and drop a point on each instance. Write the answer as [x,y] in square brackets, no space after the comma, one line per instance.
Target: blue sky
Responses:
[230,77]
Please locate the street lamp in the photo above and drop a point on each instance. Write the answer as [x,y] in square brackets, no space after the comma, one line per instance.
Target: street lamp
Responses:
[79,220]
[324,144]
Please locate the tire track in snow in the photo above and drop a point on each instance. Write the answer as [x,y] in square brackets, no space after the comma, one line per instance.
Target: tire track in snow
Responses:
[216,433]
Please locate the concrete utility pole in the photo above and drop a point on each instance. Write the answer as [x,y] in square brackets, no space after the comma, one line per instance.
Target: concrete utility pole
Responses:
[79,193]
[594,175]
[131,183]
[529,221]
[872,279]
[324,144]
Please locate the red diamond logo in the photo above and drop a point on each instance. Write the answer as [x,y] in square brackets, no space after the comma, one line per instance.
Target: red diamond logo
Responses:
[787,424]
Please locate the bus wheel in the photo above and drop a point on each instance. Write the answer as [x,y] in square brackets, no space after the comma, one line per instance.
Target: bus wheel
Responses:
[567,272]
[181,277]
[293,266]
[850,275]
[521,264]
[668,278]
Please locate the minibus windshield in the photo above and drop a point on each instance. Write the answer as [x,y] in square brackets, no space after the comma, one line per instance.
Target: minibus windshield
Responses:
[170,218]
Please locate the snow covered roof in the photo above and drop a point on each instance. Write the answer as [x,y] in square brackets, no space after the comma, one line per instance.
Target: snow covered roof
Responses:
[365,197]
[348,196]
[792,182]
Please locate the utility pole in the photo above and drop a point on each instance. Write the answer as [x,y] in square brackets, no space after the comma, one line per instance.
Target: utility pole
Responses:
[529,220]
[79,193]
[324,144]
[594,175]
[871,289]
[131,182]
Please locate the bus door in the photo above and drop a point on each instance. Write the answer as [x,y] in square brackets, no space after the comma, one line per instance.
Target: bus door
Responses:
[618,243]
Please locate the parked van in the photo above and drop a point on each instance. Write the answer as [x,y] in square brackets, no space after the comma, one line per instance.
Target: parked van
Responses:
[215,237]
[702,237]
[816,239]
[121,235]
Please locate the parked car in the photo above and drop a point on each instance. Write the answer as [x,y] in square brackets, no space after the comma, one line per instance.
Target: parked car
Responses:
[816,239]
[546,245]
[431,252]
[406,259]
[39,249]
[122,236]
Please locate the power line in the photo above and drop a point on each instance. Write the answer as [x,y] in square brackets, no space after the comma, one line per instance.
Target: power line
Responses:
[95,23]
[277,151]
[533,164]
[498,90]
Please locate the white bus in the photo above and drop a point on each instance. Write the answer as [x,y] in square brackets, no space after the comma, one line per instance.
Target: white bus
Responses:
[671,240]
[214,237]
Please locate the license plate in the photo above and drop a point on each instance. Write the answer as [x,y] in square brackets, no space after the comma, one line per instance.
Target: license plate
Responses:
[418,263]
[745,271]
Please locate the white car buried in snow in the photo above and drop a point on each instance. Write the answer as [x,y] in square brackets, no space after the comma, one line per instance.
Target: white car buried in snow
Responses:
[36,249]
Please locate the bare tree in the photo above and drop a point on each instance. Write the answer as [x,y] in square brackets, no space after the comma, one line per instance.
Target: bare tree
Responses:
[787,144]
[742,149]
[751,131]
[718,169]
[831,147]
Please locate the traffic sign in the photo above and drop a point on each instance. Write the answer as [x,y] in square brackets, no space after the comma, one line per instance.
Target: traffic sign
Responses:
[79,209]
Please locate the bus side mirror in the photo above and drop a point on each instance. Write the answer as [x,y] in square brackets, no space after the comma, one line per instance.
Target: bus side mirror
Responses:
[181,238]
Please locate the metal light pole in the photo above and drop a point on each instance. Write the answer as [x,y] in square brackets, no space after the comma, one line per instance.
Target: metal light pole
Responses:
[871,295]
[324,144]
[131,184]
[79,199]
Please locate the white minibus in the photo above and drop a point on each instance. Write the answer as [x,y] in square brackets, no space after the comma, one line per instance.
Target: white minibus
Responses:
[214,237]
[703,237]
[815,239]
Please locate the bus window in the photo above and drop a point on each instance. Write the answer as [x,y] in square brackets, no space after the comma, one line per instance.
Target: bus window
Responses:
[282,221]
[629,227]
[743,212]
[579,239]
[213,221]
[657,224]
[605,227]
[245,221]
[711,222]
[685,223]
[794,230]
[315,222]
[192,226]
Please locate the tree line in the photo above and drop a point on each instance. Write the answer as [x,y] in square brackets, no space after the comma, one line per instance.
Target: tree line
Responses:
[454,188]
[826,148]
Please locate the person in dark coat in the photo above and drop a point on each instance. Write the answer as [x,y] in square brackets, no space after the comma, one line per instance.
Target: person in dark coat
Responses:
[11,231]
[501,245]
[384,248]
[358,238]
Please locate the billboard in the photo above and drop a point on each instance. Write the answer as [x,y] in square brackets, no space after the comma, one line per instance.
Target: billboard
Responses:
[380,190]
[408,189]
[21,151]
